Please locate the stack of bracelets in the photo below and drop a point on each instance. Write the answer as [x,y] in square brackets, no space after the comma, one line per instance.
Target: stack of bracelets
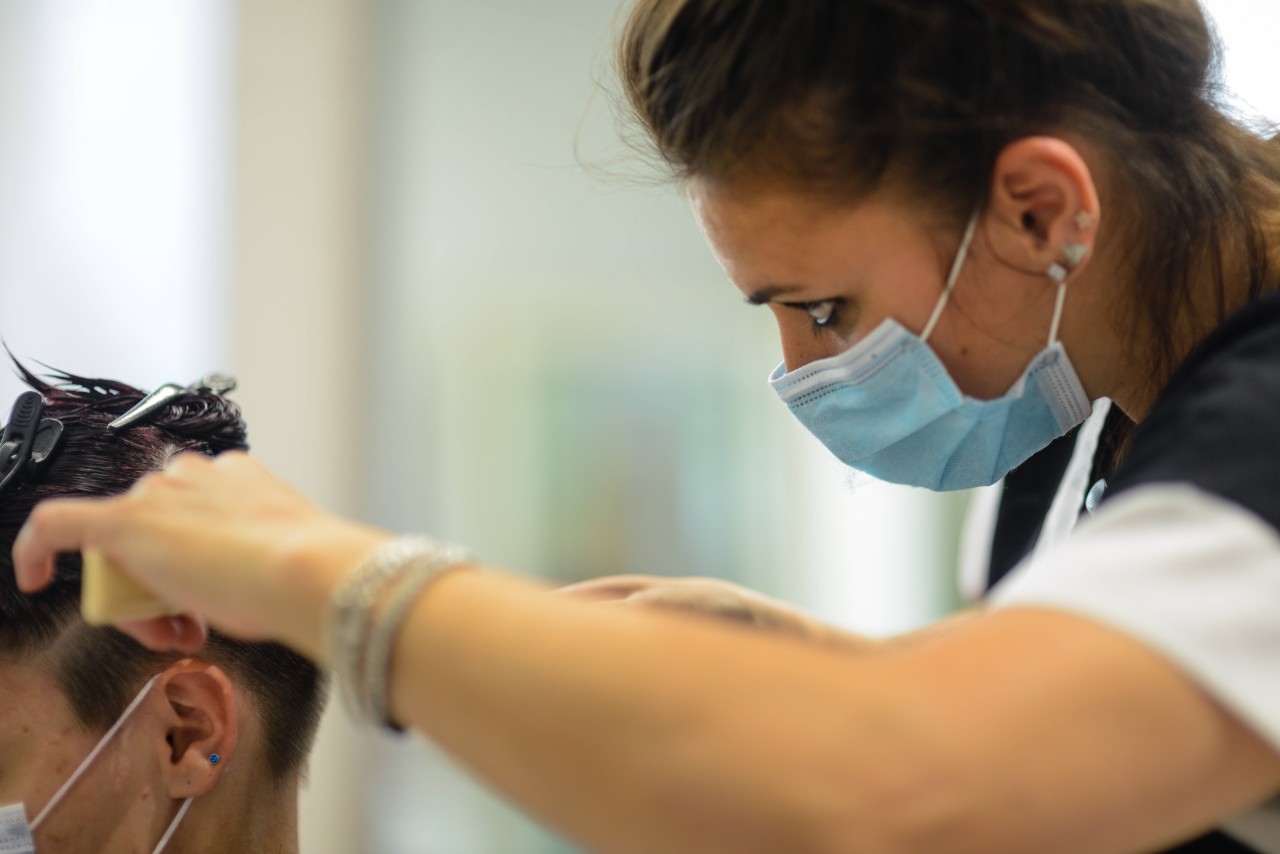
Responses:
[367,609]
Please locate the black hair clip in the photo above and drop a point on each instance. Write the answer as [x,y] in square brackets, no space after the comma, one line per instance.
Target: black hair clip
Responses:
[147,408]
[29,440]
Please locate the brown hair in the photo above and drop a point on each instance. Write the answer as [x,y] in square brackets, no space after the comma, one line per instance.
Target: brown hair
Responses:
[840,97]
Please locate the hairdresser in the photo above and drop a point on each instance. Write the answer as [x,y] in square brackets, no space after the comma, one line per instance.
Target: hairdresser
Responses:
[976,223]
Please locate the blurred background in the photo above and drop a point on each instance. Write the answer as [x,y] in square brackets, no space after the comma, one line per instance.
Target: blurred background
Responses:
[456,303]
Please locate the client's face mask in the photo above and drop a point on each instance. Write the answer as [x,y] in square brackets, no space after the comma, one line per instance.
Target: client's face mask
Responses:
[16,832]
[888,407]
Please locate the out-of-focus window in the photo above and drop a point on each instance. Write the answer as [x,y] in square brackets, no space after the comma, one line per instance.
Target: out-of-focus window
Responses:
[1248,32]
[114,138]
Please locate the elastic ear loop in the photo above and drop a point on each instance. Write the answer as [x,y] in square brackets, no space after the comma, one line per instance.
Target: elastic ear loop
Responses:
[1057,312]
[954,275]
[93,754]
[173,826]
[956,266]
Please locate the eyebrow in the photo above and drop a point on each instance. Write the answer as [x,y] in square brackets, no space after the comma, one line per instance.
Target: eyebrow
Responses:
[769,293]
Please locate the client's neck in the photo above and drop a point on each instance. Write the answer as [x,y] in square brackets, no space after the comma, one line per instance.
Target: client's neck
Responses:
[259,817]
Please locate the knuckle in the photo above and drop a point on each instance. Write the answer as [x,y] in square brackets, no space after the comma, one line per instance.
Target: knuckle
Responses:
[186,464]
[232,459]
[43,518]
[149,484]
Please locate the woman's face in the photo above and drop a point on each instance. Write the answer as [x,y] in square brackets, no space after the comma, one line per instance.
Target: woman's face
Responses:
[831,275]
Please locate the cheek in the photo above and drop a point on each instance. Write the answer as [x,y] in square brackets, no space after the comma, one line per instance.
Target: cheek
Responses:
[36,760]
[800,345]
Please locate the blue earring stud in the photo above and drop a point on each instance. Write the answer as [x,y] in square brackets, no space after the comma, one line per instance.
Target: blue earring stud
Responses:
[214,759]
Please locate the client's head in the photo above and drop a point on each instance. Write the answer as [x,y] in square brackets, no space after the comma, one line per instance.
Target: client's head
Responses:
[229,727]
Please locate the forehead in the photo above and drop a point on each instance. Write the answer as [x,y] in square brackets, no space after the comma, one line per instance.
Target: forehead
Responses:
[40,739]
[764,236]
[750,215]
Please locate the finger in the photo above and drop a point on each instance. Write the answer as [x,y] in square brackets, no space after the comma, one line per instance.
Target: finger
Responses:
[234,460]
[706,603]
[610,587]
[184,633]
[593,593]
[674,597]
[158,633]
[190,633]
[60,525]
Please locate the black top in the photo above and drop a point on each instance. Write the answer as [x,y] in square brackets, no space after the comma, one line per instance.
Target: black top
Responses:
[1216,426]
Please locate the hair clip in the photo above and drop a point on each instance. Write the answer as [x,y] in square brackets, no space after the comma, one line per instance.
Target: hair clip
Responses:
[147,408]
[144,409]
[29,440]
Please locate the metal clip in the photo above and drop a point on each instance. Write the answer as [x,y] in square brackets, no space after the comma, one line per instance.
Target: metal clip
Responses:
[145,409]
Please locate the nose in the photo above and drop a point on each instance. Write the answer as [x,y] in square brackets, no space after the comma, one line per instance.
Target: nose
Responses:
[799,345]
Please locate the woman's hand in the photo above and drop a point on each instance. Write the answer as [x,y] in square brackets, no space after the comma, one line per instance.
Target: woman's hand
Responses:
[711,597]
[218,538]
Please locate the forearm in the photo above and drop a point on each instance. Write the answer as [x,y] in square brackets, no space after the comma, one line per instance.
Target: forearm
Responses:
[638,731]
[842,639]
[718,599]
[635,730]
[804,626]
[647,728]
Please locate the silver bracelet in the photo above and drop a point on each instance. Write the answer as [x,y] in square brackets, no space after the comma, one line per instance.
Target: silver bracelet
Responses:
[351,608]
[376,674]
[355,616]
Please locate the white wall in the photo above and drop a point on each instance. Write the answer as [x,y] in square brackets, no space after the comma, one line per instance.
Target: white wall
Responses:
[297,294]
[1248,29]
[115,124]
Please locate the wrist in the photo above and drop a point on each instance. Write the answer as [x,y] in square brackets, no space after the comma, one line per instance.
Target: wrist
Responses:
[310,570]
[367,609]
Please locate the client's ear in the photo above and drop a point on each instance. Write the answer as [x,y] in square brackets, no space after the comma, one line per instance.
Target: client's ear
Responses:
[199,719]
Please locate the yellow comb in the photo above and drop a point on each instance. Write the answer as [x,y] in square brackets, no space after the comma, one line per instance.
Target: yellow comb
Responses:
[107,595]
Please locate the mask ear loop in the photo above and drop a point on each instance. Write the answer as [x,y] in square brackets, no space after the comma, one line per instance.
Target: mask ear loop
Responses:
[956,266]
[93,754]
[1057,310]
[173,826]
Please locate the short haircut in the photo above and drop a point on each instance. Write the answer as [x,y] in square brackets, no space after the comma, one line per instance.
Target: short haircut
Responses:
[99,669]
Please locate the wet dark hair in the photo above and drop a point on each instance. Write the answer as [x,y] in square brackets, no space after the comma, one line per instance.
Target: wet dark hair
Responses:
[100,669]
[840,97]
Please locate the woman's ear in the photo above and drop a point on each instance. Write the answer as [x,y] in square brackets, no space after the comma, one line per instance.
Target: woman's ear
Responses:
[200,726]
[1043,208]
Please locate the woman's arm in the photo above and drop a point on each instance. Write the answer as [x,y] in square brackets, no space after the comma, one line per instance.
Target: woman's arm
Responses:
[716,598]
[723,600]
[1021,729]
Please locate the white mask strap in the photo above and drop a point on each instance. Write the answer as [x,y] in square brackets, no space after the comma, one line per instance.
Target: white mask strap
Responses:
[956,266]
[1057,312]
[173,826]
[93,754]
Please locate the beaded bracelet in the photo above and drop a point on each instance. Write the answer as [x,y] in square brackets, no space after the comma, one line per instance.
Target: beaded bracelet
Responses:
[362,630]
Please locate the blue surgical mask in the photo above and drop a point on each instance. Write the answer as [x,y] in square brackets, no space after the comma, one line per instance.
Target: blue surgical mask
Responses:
[16,833]
[888,407]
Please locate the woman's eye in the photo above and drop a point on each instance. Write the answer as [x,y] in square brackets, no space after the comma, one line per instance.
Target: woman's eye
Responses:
[822,312]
